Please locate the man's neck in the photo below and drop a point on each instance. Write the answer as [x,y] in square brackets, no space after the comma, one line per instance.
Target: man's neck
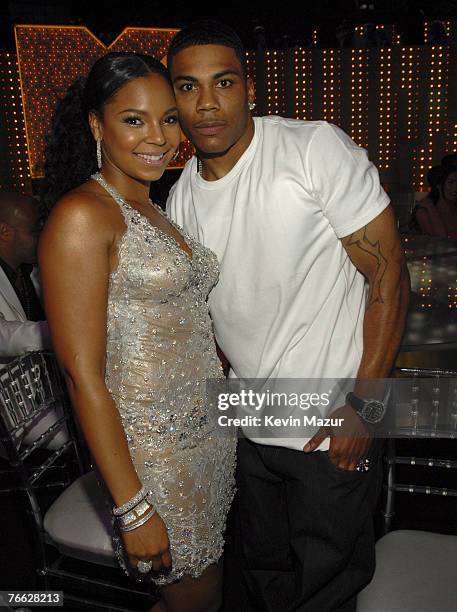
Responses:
[215,168]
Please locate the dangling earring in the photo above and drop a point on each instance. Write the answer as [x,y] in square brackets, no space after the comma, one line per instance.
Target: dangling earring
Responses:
[176,155]
[99,153]
[251,106]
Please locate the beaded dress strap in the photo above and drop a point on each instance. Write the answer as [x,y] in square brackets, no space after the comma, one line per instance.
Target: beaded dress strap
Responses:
[129,212]
[126,209]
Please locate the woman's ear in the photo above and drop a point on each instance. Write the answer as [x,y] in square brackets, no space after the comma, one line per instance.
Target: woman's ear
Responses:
[95,126]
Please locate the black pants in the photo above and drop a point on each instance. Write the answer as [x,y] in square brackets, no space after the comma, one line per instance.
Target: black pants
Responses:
[300,534]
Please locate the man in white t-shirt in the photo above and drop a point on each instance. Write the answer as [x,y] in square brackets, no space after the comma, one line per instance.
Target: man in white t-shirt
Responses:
[313,285]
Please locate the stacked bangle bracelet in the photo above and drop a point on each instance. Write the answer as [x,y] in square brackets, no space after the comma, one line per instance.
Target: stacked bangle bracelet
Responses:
[136,511]
[130,503]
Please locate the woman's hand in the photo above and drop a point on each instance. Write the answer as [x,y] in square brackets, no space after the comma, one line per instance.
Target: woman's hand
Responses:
[149,542]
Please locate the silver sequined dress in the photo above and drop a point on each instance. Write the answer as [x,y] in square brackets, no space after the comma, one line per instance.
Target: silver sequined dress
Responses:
[160,352]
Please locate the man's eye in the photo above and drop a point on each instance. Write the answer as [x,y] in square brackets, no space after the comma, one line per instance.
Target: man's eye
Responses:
[187,87]
[224,83]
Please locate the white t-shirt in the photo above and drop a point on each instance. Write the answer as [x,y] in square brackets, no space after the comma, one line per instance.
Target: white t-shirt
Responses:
[289,302]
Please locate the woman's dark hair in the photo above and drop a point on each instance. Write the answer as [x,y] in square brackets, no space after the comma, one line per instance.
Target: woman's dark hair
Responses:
[436,176]
[435,191]
[449,161]
[70,154]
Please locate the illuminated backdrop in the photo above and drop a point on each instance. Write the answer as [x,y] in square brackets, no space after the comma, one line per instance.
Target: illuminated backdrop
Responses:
[50,58]
[14,163]
[399,102]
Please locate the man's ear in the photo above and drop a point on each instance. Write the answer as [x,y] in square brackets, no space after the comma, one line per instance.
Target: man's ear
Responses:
[6,231]
[95,126]
[250,89]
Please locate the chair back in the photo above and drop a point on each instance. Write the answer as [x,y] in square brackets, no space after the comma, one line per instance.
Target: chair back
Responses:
[70,531]
[424,410]
[416,568]
[30,386]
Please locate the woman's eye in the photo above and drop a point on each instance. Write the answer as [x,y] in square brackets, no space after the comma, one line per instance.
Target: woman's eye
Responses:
[171,119]
[133,121]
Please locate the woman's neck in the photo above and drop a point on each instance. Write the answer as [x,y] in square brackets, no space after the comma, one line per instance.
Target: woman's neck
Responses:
[130,189]
[448,205]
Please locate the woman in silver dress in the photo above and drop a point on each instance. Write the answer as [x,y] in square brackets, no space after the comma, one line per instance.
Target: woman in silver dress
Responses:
[125,293]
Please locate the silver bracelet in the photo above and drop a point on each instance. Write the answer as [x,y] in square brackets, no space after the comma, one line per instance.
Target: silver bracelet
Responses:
[142,521]
[131,503]
[135,513]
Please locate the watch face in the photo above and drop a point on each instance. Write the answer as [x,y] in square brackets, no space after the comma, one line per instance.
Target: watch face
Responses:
[373,411]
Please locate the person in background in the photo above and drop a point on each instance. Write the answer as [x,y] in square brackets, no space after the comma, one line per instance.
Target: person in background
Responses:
[23,327]
[436,214]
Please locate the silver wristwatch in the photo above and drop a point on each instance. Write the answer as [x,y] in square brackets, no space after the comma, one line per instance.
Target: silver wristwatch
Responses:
[371,411]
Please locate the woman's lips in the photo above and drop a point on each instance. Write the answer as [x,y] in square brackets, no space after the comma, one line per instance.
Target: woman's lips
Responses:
[152,160]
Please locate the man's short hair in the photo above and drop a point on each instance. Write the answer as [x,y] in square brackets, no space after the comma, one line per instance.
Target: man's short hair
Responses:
[207,32]
[11,202]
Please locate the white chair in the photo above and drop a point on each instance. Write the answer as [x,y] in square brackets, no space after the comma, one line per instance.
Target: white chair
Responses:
[71,540]
[416,571]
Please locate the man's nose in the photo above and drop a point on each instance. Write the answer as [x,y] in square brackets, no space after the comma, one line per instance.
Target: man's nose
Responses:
[207,99]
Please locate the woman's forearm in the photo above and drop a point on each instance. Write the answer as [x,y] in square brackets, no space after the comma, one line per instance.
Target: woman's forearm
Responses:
[105,436]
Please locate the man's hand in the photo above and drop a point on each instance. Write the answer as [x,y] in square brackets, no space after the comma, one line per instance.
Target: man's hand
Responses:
[348,443]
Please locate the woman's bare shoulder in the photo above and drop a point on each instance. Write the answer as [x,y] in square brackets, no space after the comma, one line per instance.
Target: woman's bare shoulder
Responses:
[85,207]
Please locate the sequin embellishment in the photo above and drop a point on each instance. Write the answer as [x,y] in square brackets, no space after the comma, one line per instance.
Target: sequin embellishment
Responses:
[160,352]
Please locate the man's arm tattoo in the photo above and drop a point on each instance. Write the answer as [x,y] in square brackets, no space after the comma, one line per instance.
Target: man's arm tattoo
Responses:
[359,240]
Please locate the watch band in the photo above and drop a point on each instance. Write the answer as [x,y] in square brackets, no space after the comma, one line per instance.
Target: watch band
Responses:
[355,402]
[371,410]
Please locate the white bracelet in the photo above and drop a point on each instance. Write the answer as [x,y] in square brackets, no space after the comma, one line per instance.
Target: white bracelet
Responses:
[131,503]
[142,521]
[135,513]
